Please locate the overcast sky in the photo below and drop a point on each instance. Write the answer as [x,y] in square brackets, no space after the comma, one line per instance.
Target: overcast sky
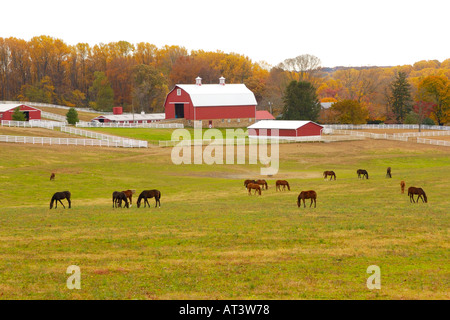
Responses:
[338,32]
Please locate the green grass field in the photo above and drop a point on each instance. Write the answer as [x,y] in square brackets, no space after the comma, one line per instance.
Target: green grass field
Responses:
[210,240]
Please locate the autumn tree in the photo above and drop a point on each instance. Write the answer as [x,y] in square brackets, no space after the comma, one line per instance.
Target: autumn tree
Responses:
[349,112]
[101,93]
[44,91]
[306,66]
[401,101]
[149,89]
[436,89]
[300,102]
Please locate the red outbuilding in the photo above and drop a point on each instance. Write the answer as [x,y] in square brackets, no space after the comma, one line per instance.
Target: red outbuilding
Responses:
[215,104]
[7,110]
[286,128]
[264,115]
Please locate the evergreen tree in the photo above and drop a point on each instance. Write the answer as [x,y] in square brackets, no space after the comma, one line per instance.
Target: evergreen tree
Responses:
[401,100]
[300,102]
[72,116]
[18,115]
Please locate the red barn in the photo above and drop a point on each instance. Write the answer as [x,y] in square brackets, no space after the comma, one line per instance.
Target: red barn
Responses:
[264,115]
[7,110]
[286,128]
[215,104]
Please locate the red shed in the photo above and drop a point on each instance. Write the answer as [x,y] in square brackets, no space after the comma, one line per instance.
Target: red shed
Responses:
[210,101]
[286,128]
[7,110]
[264,115]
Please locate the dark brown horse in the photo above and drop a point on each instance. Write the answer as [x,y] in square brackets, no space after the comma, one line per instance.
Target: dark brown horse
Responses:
[147,194]
[58,196]
[118,197]
[254,186]
[362,173]
[246,182]
[52,176]
[283,183]
[310,194]
[263,184]
[402,186]
[329,173]
[419,191]
[388,173]
[129,194]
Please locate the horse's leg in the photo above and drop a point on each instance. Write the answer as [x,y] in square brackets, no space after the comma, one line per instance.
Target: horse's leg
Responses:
[68,200]
[61,203]
[314,202]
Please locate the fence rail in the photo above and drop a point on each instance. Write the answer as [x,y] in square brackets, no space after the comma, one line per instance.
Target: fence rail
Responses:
[384,126]
[48,105]
[61,141]
[53,116]
[370,135]
[434,142]
[32,124]
[85,124]
[123,142]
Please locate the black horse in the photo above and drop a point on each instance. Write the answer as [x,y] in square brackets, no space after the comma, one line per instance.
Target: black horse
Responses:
[362,173]
[117,199]
[146,194]
[388,173]
[58,196]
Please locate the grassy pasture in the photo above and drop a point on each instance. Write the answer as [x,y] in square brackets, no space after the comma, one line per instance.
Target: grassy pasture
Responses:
[210,240]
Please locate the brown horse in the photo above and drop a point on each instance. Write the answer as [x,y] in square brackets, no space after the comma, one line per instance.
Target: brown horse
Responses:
[262,183]
[246,182]
[147,194]
[388,173]
[52,176]
[310,194]
[329,173]
[58,196]
[362,173]
[255,186]
[283,183]
[129,194]
[402,186]
[419,191]
[118,197]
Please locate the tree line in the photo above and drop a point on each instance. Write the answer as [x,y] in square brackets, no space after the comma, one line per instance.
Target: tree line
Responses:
[139,76]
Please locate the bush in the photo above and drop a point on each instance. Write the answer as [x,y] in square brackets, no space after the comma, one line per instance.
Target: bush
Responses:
[72,116]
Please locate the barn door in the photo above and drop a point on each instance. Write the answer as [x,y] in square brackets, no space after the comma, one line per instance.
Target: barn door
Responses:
[179,110]
[27,115]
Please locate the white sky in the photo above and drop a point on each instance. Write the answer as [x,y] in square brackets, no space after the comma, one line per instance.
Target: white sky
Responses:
[339,32]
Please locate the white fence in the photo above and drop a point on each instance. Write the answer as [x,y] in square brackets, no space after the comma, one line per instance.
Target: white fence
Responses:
[384,126]
[62,141]
[123,142]
[370,135]
[434,142]
[48,105]
[85,124]
[32,124]
[53,116]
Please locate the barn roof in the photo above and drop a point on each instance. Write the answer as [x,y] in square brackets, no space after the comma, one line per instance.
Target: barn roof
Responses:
[130,117]
[8,106]
[279,124]
[207,95]
[264,115]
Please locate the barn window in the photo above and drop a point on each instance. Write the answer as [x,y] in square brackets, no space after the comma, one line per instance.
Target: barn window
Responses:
[178,92]
[223,120]
[238,120]
[229,120]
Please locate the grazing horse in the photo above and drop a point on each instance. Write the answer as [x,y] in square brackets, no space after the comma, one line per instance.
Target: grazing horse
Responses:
[283,183]
[402,186]
[388,172]
[362,173]
[52,176]
[58,196]
[129,194]
[262,183]
[118,197]
[419,191]
[310,194]
[329,173]
[246,182]
[147,194]
[255,186]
